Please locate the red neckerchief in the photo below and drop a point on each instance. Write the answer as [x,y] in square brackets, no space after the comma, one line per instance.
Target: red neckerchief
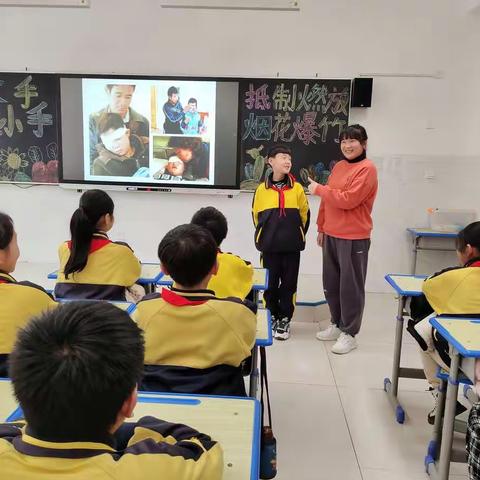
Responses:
[281,194]
[99,240]
[178,300]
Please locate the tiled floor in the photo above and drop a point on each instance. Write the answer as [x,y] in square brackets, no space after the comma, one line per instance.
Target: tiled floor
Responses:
[331,416]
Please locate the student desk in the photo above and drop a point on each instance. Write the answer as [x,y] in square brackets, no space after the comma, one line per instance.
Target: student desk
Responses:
[406,286]
[233,422]
[463,336]
[8,402]
[127,306]
[149,276]
[418,233]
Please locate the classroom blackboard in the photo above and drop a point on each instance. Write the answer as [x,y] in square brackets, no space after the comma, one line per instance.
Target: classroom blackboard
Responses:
[29,130]
[305,115]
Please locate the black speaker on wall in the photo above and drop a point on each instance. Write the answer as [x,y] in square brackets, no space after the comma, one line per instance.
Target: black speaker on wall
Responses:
[361,92]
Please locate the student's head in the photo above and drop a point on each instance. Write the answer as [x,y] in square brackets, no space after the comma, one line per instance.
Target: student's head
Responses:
[188,253]
[214,221]
[185,147]
[353,141]
[468,243]
[279,157]
[94,213]
[9,251]
[75,370]
[173,95]
[113,133]
[192,104]
[120,97]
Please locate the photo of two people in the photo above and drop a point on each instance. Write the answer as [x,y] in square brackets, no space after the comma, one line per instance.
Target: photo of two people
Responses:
[119,134]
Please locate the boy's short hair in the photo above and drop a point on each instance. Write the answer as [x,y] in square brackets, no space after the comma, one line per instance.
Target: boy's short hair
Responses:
[192,100]
[6,230]
[214,221]
[171,91]
[470,235]
[276,149]
[109,121]
[188,253]
[109,86]
[73,367]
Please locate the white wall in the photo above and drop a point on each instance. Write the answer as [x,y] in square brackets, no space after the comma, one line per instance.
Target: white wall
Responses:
[414,124]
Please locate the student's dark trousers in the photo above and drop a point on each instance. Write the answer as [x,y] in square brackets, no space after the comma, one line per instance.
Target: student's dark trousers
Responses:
[282,282]
[344,274]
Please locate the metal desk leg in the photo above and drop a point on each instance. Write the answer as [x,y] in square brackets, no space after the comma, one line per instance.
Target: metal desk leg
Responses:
[449,419]
[413,268]
[391,386]
[253,384]
[436,441]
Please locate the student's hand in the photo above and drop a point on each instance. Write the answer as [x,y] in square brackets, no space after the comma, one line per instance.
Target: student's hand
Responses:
[312,186]
[320,239]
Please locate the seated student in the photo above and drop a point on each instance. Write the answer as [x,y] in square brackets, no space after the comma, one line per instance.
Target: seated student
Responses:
[235,276]
[75,371]
[18,300]
[121,153]
[453,291]
[194,342]
[91,265]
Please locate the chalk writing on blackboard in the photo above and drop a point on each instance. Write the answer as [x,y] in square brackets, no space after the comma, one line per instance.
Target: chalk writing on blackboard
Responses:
[28,127]
[307,115]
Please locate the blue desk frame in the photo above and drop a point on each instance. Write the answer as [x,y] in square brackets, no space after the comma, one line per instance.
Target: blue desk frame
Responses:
[419,233]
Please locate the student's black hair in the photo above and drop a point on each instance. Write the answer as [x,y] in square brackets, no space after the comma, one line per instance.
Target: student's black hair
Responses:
[172,90]
[470,235]
[93,205]
[6,230]
[109,121]
[192,100]
[188,253]
[276,149]
[214,221]
[355,132]
[73,367]
[109,86]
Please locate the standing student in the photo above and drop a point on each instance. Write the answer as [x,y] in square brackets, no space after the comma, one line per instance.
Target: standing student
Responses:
[18,300]
[75,372]
[344,227]
[234,277]
[281,217]
[194,341]
[174,112]
[91,265]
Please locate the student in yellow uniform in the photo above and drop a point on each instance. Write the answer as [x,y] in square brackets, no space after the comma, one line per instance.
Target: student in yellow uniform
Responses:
[235,275]
[194,342]
[453,291]
[18,300]
[91,265]
[75,371]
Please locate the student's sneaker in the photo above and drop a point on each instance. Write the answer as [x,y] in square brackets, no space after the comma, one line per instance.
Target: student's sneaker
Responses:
[274,323]
[332,332]
[345,343]
[459,408]
[282,332]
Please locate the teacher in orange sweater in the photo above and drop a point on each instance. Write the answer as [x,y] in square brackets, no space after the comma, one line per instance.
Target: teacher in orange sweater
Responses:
[344,227]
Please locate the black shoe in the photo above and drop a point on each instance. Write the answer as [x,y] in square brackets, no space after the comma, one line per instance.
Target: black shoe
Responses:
[274,321]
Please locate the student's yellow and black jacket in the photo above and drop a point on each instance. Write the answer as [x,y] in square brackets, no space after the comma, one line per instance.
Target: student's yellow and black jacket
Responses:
[195,342]
[111,267]
[234,277]
[155,450]
[451,292]
[19,301]
[281,216]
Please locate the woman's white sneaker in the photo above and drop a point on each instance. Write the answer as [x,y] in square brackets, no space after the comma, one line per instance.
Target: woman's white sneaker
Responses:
[332,332]
[345,343]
